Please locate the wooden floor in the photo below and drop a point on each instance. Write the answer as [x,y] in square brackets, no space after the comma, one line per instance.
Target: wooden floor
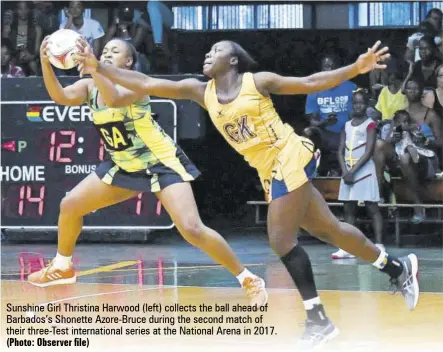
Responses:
[369,319]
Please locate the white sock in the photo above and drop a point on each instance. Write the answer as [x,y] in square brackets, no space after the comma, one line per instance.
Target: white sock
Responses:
[310,303]
[61,262]
[243,275]
[382,260]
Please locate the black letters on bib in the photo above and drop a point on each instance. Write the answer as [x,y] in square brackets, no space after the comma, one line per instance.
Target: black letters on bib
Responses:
[115,136]
[239,131]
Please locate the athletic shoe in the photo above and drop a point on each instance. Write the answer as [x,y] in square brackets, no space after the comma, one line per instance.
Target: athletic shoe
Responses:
[315,335]
[50,276]
[255,290]
[407,282]
[341,254]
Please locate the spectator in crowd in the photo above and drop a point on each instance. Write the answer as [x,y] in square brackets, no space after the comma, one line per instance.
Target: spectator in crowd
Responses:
[403,128]
[46,17]
[87,27]
[429,124]
[125,27]
[436,101]
[359,180]
[9,70]
[435,17]
[161,17]
[157,19]
[425,69]
[329,111]
[425,28]
[25,36]
[332,48]
[391,97]
[378,79]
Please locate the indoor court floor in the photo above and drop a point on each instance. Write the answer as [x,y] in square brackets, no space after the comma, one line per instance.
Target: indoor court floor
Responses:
[170,271]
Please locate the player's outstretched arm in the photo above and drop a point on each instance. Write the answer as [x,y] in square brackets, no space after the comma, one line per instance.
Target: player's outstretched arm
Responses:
[191,88]
[272,83]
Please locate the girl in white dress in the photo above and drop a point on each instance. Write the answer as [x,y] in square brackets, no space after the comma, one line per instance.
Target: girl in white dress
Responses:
[359,180]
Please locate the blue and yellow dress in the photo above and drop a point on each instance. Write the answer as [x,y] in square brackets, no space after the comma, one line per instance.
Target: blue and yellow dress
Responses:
[142,157]
[250,124]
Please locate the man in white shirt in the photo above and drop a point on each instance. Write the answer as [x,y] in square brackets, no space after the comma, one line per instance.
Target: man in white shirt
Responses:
[89,28]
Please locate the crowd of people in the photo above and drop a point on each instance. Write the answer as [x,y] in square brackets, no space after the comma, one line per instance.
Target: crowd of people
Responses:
[144,24]
[391,128]
[405,101]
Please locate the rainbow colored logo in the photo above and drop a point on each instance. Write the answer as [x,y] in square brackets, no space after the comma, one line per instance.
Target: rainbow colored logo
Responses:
[33,114]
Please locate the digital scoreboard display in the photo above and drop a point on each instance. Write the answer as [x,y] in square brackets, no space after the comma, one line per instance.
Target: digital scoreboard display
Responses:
[47,149]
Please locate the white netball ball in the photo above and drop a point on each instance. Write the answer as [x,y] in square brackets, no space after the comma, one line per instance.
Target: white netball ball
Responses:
[62,48]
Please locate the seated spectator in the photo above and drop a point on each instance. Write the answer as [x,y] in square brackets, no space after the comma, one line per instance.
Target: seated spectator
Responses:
[331,47]
[435,17]
[425,69]
[46,16]
[426,28]
[24,35]
[125,27]
[329,111]
[87,27]
[161,17]
[436,101]
[156,19]
[409,133]
[9,70]
[378,79]
[429,125]
[391,97]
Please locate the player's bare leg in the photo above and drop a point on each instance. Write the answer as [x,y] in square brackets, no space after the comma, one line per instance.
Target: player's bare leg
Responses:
[89,195]
[178,199]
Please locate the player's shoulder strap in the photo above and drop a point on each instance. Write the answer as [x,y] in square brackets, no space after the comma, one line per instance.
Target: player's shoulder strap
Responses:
[249,85]
[210,92]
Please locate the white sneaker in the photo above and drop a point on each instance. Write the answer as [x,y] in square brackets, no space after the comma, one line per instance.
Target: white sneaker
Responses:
[255,291]
[341,254]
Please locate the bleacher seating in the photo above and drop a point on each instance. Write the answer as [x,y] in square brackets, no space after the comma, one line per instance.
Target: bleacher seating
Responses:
[431,193]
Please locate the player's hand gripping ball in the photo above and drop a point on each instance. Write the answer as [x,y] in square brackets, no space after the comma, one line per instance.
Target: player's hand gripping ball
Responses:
[62,48]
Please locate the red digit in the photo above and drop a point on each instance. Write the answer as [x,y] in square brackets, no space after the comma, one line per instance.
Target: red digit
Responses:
[51,150]
[65,145]
[21,203]
[57,152]
[101,150]
[138,208]
[30,199]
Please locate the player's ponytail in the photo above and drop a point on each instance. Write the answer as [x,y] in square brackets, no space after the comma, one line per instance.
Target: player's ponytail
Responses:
[245,61]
